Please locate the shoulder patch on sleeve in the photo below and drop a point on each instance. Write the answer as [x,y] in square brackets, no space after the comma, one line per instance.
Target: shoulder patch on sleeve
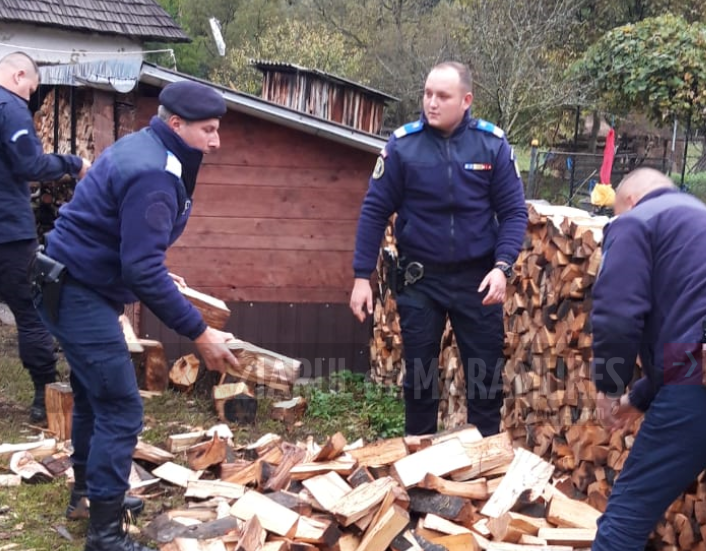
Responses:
[173,165]
[409,128]
[17,135]
[489,127]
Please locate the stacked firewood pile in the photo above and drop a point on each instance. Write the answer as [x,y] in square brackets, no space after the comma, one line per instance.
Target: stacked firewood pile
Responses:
[451,491]
[47,197]
[550,399]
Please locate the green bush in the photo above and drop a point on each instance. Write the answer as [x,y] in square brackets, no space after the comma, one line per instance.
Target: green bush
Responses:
[693,183]
[348,396]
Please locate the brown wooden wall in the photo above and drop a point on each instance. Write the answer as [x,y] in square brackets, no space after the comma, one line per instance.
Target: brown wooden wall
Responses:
[274,216]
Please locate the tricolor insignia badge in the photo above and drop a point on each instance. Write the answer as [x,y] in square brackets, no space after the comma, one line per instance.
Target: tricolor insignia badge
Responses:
[478,166]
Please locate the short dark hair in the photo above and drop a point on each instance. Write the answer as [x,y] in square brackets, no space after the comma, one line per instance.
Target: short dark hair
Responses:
[20,60]
[464,72]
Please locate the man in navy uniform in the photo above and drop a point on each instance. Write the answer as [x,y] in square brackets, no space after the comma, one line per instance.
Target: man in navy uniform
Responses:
[23,159]
[111,240]
[650,300]
[461,219]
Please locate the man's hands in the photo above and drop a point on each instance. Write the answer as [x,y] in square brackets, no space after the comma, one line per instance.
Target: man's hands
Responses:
[361,299]
[84,168]
[615,414]
[495,281]
[211,345]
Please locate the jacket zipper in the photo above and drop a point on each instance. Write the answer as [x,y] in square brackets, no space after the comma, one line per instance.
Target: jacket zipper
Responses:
[451,197]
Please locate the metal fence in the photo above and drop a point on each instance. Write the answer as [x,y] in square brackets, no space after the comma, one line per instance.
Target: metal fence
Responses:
[568,177]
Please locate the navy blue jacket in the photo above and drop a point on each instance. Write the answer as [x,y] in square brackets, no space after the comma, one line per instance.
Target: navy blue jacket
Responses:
[131,206]
[22,158]
[650,296]
[457,199]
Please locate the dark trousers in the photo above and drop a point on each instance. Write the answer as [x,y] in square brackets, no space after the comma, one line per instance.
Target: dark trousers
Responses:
[423,307]
[36,346]
[108,410]
[668,454]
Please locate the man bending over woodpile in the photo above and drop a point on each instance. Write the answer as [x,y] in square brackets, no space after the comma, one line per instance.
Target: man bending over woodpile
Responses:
[108,249]
[650,299]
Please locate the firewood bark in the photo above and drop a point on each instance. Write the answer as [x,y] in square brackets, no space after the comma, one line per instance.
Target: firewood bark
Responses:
[59,404]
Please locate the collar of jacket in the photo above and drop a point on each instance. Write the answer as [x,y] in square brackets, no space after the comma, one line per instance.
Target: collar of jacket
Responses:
[657,193]
[465,121]
[189,157]
[16,95]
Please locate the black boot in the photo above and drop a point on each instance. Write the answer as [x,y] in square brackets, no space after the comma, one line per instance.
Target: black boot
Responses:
[105,529]
[38,409]
[78,502]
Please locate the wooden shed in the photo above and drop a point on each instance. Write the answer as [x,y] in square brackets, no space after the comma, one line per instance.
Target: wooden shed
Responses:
[275,210]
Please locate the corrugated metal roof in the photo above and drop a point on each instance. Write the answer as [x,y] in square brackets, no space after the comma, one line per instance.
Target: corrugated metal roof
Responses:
[264,66]
[143,19]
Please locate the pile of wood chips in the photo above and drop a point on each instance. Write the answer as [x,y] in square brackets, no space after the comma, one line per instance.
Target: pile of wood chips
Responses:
[454,490]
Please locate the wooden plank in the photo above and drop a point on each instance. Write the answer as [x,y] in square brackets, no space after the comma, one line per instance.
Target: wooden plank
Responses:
[442,525]
[253,292]
[277,176]
[253,536]
[486,455]
[569,513]
[176,474]
[214,311]
[332,448]
[382,452]
[527,472]
[235,234]
[380,534]
[277,202]
[131,339]
[260,268]
[205,489]
[457,542]
[273,516]
[361,500]
[575,537]
[343,465]
[153,454]
[439,459]
[181,442]
[327,489]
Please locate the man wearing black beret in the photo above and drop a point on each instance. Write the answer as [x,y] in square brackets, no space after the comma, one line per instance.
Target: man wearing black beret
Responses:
[110,243]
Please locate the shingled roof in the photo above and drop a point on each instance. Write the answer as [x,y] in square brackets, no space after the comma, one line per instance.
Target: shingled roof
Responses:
[143,19]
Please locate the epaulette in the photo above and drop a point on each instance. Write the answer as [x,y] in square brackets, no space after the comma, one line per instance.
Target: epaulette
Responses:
[173,165]
[489,127]
[409,128]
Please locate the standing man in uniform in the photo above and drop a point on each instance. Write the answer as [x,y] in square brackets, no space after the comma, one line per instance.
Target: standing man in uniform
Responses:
[650,299]
[461,219]
[108,249]
[22,159]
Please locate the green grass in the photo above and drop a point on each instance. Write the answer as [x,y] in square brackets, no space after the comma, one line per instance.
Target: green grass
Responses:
[31,515]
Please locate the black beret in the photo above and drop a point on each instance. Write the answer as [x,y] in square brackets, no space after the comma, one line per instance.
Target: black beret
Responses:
[192,101]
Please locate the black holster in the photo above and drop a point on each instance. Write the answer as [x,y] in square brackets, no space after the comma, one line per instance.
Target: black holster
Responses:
[47,277]
[393,273]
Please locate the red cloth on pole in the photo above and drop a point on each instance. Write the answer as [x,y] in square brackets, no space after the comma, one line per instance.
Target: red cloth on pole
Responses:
[608,156]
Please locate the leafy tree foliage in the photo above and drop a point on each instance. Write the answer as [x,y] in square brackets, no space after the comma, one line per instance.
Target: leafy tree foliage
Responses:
[657,65]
